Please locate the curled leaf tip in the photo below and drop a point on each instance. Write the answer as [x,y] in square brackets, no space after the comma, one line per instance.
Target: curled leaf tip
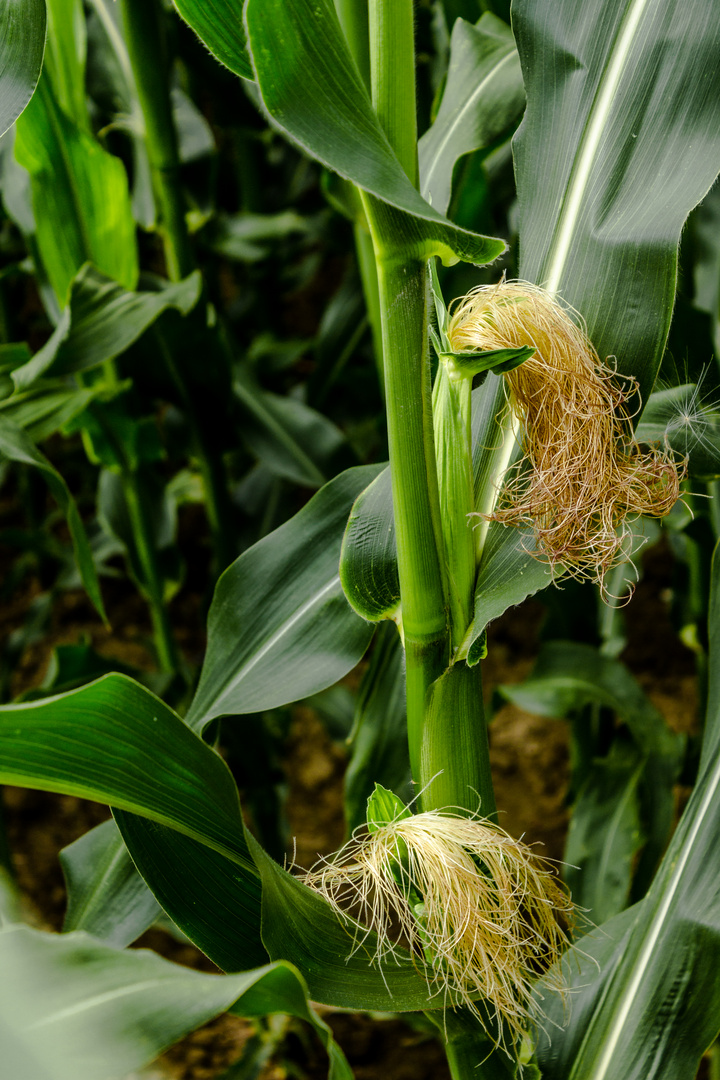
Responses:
[583,478]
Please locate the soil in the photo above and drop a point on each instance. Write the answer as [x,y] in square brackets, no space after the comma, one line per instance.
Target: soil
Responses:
[530,760]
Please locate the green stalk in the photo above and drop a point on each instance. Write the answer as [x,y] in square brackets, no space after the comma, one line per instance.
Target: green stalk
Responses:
[142,536]
[142,20]
[368,277]
[402,293]
[392,73]
[403,306]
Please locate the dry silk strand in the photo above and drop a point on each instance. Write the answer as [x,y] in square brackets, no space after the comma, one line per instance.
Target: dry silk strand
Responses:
[480,913]
[586,475]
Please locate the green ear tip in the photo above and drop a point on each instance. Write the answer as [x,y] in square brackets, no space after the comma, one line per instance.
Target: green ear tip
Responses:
[383,807]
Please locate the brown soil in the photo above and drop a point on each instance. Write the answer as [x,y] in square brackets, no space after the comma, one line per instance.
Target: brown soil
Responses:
[530,765]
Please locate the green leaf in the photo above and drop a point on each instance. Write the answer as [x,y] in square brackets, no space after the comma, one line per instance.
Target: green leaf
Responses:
[96,742]
[21,56]
[378,741]
[653,1008]
[106,896]
[79,1010]
[620,140]
[101,321]
[318,99]
[65,57]
[293,440]
[201,890]
[76,182]
[47,407]
[507,575]
[279,626]
[498,360]
[219,24]
[605,834]
[384,807]
[483,96]
[368,560]
[17,446]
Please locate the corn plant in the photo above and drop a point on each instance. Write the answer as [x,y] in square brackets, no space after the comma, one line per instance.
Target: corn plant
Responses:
[618,143]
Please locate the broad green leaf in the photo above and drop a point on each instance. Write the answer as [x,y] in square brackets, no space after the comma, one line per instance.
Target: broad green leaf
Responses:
[219,24]
[76,182]
[293,440]
[79,1010]
[605,834]
[21,55]
[318,99]
[106,896]
[620,140]
[203,893]
[101,321]
[368,560]
[279,627]
[65,57]
[98,742]
[483,96]
[17,446]
[378,741]
[655,1008]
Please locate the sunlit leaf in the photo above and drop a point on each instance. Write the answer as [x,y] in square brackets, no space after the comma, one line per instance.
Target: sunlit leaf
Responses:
[21,55]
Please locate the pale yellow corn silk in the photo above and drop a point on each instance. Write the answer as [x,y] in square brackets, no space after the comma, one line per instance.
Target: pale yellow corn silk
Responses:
[587,476]
[482,915]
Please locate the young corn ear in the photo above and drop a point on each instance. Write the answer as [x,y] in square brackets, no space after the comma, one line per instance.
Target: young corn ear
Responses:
[582,476]
[483,916]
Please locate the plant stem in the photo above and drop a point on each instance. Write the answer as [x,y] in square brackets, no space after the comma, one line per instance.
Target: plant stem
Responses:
[392,72]
[142,20]
[403,306]
[368,277]
[152,579]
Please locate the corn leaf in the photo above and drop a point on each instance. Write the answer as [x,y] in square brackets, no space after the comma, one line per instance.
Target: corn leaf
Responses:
[483,96]
[106,896]
[318,99]
[78,1009]
[279,626]
[368,560]
[219,24]
[101,321]
[76,182]
[620,140]
[21,55]
[654,1006]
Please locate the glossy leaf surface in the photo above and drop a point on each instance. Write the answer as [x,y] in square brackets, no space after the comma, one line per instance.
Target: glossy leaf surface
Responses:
[21,55]
[79,1009]
[368,561]
[106,896]
[620,140]
[653,1008]
[219,24]
[318,99]
[97,742]
[483,96]
[76,182]
[279,626]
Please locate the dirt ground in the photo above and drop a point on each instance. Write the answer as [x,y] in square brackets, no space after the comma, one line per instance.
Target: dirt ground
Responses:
[530,768]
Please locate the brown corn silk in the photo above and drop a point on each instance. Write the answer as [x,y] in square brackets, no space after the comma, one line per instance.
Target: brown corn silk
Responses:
[482,915]
[582,477]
